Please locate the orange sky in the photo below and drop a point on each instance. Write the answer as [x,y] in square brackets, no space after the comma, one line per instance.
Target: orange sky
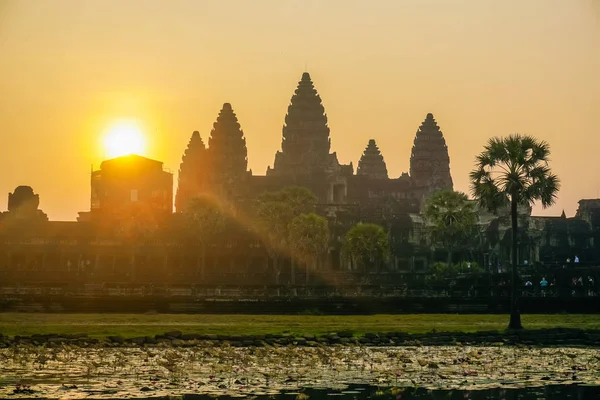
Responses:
[68,68]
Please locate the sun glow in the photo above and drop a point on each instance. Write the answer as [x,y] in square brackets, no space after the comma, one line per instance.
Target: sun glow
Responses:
[123,138]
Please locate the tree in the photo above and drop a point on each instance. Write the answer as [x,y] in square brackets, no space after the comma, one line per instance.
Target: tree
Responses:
[514,171]
[203,218]
[276,211]
[309,236]
[299,199]
[366,244]
[134,224]
[451,220]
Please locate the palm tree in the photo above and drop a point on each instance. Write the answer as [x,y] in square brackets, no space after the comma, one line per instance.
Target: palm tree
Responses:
[451,219]
[514,170]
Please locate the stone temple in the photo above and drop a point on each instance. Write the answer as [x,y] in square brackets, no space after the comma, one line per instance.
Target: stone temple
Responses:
[306,159]
[131,250]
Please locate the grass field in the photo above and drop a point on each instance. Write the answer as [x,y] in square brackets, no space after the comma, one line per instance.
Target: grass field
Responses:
[129,325]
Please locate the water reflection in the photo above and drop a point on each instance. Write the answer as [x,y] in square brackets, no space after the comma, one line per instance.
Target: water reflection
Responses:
[362,392]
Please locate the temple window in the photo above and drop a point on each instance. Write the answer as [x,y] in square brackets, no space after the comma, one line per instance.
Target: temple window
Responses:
[339,193]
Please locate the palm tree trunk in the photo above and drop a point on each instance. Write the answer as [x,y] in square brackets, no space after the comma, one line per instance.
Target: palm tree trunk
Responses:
[515,314]
[449,260]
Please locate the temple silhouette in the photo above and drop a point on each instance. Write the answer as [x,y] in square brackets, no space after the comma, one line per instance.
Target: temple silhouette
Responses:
[131,197]
[306,160]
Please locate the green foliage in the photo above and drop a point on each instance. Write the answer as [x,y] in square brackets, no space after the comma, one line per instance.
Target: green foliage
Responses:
[277,210]
[463,268]
[514,168]
[441,270]
[203,218]
[445,270]
[451,219]
[309,235]
[298,200]
[366,244]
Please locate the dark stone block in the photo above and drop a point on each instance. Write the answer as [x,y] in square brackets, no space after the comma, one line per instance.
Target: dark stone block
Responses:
[116,339]
[138,340]
[190,336]
[150,340]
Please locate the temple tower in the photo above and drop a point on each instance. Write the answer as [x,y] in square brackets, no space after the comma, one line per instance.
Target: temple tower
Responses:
[193,172]
[228,155]
[305,145]
[23,203]
[371,163]
[429,161]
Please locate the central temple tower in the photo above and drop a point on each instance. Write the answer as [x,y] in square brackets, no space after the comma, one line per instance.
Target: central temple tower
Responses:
[305,144]
[429,160]
[304,159]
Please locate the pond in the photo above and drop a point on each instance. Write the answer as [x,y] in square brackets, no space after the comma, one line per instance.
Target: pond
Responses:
[360,392]
[356,372]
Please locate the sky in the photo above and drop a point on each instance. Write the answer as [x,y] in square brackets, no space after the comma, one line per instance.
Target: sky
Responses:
[69,69]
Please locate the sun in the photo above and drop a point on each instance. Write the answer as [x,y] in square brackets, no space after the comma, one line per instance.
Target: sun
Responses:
[123,138]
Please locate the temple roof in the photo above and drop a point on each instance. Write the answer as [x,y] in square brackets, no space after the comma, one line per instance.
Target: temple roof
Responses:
[130,162]
[372,163]
[227,145]
[305,135]
[306,106]
[192,171]
[195,148]
[429,161]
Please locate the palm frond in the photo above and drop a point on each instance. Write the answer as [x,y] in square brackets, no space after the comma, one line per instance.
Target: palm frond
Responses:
[514,166]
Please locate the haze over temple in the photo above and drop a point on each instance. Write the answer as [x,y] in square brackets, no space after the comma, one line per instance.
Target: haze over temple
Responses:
[134,192]
[305,159]
[298,199]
